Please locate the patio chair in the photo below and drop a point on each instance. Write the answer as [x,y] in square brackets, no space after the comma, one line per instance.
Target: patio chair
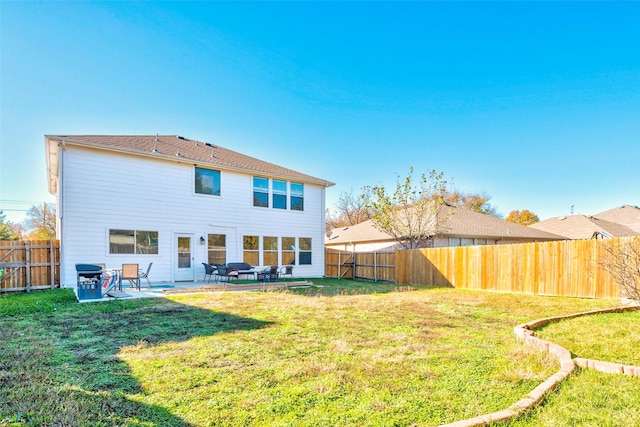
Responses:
[145,274]
[223,271]
[286,270]
[208,271]
[131,273]
[269,274]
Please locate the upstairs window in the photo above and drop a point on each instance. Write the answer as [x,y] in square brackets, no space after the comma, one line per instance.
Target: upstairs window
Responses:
[260,192]
[279,194]
[297,196]
[274,194]
[207,181]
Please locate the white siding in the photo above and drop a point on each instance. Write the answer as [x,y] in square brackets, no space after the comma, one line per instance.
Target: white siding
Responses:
[103,190]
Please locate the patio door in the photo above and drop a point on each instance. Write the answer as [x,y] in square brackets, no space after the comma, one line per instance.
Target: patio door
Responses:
[183,268]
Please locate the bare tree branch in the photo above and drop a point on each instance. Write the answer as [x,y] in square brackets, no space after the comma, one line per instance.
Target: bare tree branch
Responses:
[622,262]
[410,214]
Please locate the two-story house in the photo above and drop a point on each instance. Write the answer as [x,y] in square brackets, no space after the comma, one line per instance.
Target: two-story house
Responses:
[178,203]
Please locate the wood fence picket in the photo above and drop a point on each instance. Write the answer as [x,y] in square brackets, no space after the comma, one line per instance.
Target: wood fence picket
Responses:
[29,265]
[561,268]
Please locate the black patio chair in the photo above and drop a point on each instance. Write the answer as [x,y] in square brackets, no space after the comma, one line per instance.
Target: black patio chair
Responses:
[208,271]
[286,270]
[223,271]
[269,274]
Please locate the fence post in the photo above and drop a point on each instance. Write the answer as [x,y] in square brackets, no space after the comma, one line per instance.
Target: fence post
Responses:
[52,263]
[375,266]
[27,262]
[355,263]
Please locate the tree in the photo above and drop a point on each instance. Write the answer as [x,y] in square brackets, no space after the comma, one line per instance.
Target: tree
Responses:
[410,213]
[476,202]
[41,220]
[622,262]
[350,209]
[9,230]
[523,217]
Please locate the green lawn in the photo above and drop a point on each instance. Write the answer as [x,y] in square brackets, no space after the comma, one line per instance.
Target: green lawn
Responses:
[617,337]
[336,353]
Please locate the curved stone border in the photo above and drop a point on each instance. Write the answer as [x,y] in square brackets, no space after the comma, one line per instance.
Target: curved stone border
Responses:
[608,367]
[567,365]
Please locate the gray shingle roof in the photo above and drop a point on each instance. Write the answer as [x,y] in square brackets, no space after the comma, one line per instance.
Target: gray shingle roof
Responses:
[626,215]
[582,227]
[461,222]
[178,148]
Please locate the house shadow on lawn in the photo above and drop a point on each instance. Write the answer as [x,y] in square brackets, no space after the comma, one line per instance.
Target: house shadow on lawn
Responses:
[61,366]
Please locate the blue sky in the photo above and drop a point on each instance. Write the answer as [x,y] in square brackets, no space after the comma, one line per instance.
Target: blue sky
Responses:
[535,103]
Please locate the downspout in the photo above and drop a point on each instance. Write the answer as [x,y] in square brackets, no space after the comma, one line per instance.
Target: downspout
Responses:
[322,229]
[60,209]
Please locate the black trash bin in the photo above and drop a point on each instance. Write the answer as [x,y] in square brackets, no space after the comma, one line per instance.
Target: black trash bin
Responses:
[89,281]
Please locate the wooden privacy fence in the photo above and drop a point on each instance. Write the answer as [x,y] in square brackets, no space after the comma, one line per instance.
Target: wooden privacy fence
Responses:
[561,268]
[29,265]
[376,266]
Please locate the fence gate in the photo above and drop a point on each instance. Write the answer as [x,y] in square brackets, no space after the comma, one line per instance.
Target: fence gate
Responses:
[376,266]
[347,264]
[339,264]
[29,265]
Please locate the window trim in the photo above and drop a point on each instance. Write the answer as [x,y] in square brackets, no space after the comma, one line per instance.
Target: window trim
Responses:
[279,193]
[260,190]
[305,251]
[195,182]
[271,252]
[215,249]
[293,199]
[135,241]
[296,195]
[289,251]
[256,251]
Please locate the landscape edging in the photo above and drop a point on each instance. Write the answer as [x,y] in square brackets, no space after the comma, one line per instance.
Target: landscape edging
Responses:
[524,331]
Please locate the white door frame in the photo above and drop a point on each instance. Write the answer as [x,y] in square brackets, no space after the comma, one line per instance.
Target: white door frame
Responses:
[183,274]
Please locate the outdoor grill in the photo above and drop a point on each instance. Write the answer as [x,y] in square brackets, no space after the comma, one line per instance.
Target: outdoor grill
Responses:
[89,281]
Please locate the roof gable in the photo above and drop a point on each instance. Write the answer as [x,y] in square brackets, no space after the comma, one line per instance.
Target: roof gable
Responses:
[582,227]
[626,215]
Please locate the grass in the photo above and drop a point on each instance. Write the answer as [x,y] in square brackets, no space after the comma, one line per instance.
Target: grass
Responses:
[335,353]
[588,399]
[616,337]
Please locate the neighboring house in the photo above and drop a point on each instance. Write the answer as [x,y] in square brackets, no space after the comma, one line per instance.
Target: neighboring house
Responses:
[584,227]
[627,215]
[459,227]
[178,203]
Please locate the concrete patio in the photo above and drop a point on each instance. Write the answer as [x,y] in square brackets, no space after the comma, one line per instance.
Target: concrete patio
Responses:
[160,290]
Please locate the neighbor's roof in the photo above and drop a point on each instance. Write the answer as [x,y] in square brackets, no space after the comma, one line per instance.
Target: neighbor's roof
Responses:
[172,148]
[582,227]
[461,222]
[626,215]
